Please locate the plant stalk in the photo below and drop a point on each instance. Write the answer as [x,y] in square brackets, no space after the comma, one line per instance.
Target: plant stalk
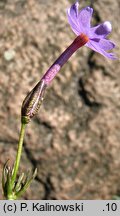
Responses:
[19,152]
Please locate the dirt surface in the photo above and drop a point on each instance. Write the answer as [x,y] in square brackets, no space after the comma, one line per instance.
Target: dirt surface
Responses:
[74,141]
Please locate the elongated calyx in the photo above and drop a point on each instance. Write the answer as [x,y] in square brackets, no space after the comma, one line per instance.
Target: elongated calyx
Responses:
[32,102]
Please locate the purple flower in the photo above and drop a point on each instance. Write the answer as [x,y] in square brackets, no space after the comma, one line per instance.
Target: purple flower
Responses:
[93,37]
[80,24]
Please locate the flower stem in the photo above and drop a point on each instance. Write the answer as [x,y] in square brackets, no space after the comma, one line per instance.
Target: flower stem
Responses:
[18,156]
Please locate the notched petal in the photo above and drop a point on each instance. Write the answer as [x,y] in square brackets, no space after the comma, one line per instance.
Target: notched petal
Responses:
[104,43]
[73,11]
[85,17]
[72,14]
[92,45]
[100,31]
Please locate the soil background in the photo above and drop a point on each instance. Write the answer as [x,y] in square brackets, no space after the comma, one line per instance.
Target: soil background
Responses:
[74,141]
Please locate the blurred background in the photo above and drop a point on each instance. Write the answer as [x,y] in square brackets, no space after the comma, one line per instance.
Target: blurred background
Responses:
[74,141]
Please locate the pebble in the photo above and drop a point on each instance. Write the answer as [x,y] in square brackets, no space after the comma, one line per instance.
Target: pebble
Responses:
[9,55]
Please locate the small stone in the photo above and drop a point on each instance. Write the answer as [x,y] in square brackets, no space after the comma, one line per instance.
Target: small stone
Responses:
[9,55]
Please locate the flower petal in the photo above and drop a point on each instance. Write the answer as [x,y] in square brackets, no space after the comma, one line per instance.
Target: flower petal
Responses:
[72,14]
[100,31]
[73,11]
[103,43]
[92,45]
[84,18]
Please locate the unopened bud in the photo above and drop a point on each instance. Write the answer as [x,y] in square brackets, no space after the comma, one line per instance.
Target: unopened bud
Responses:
[32,102]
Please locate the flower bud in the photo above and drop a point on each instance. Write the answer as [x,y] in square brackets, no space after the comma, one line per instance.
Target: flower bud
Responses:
[32,102]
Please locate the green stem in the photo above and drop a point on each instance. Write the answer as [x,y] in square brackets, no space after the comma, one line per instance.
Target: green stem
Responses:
[18,156]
